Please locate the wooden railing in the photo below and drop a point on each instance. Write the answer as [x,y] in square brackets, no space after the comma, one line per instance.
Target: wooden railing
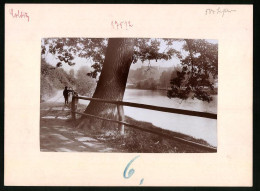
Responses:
[122,123]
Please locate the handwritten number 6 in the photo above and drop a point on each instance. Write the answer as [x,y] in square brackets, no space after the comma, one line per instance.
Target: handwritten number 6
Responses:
[131,171]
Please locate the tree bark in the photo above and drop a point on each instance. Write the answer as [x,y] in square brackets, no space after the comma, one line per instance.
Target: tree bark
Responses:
[113,78]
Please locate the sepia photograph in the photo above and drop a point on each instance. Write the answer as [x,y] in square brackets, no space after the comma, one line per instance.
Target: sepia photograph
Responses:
[141,95]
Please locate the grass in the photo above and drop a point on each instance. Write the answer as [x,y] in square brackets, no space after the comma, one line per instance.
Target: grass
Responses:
[135,140]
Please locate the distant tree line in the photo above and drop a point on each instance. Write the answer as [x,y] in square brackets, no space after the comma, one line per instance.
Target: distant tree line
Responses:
[152,78]
[155,78]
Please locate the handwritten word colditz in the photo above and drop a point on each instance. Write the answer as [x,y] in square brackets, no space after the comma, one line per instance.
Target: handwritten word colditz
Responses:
[121,25]
[19,14]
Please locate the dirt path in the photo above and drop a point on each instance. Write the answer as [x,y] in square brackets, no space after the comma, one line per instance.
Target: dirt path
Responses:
[58,134]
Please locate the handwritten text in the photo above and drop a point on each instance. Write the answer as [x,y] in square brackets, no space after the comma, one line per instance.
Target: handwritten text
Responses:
[131,171]
[19,14]
[121,25]
[218,11]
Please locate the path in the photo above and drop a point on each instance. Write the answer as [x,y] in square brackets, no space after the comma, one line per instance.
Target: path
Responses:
[58,134]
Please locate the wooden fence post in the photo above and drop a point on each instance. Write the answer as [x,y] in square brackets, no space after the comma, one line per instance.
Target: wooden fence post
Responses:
[73,115]
[121,115]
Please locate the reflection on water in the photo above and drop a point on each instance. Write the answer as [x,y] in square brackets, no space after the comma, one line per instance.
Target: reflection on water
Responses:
[159,98]
[197,127]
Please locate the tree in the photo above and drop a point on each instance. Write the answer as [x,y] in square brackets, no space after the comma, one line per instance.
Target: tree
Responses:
[120,54]
[165,79]
[199,66]
[111,59]
[72,73]
[85,84]
[53,78]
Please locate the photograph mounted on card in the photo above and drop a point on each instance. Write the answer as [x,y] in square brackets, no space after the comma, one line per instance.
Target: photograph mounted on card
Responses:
[128,95]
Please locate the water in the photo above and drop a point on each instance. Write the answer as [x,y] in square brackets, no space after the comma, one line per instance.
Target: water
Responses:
[198,127]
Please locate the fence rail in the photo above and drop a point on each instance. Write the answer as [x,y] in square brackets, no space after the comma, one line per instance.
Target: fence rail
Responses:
[122,122]
[156,108]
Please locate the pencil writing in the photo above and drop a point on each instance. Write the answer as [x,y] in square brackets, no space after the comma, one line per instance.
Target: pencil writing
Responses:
[121,25]
[218,11]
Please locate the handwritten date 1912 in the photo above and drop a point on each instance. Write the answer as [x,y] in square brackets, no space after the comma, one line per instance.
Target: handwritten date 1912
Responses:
[19,14]
[121,25]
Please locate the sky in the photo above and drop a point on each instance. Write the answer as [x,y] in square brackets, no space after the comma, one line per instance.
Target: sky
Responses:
[50,59]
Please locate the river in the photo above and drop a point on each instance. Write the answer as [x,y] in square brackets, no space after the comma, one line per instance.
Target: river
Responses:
[198,127]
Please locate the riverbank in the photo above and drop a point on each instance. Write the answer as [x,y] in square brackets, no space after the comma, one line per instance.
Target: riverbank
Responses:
[59,133]
[197,127]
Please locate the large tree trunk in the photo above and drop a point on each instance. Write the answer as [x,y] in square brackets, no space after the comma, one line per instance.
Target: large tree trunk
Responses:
[112,81]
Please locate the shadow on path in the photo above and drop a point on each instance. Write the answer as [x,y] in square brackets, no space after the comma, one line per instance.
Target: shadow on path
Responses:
[57,133]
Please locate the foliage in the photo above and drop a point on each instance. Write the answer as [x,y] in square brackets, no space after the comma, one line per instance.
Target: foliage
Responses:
[144,73]
[149,84]
[53,78]
[85,85]
[167,75]
[72,73]
[153,77]
[66,49]
[199,69]
[198,60]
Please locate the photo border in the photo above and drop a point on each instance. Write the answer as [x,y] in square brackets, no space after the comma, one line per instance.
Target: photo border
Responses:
[256,97]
